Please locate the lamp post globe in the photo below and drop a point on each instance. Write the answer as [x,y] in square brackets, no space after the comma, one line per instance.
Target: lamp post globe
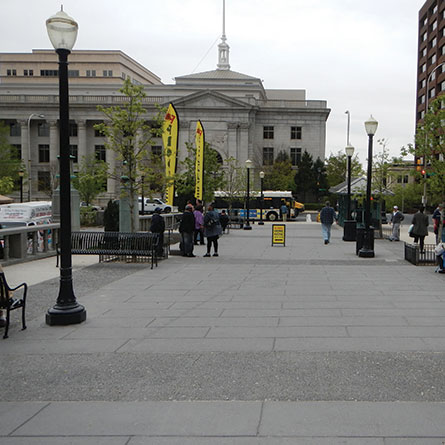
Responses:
[349,226]
[261,223]
[62,31]
[367,251]
[247,226]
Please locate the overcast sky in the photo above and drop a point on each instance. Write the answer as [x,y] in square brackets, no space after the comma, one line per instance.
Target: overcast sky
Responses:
[357,55]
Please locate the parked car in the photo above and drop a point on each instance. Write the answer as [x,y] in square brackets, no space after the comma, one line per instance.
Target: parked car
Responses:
[91,206]
[152,203]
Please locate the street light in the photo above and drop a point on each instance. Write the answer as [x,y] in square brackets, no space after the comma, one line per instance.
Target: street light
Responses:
[21,174]
[41,116]
[248,167]
[261,223]
[62,31]
[367,251]
[349,226]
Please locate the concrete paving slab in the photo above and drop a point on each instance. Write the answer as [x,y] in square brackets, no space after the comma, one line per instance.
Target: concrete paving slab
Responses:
[13,415]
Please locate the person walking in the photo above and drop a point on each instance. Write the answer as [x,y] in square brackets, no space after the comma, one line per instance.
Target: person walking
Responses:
[158,226]
[186,229]
[327,218]
[212,230]
[199,225]
[420,227]
[284,211]
[396,220]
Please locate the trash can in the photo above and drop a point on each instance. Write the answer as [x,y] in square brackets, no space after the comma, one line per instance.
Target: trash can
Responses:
[363,240]
[349,230]
[360,236]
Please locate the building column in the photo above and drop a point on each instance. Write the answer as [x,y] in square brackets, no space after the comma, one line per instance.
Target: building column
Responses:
[53,142]
[82,139]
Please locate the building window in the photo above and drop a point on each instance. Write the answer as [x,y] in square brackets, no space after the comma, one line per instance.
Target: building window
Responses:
[124,76]
[15,129]
[74,153]
[91,73]
[267,155]
[423,53]
[433,59]
[268,132]
[43,181]
[43,129]
[424,21]
[423,68]
[49,73]
[422,83]
[43,153]
[405,179]
[434,9]
[17,152]
[432,92]
[442,86]
[11,72]
[295,132]
[156,150]
[433,42]
[98,133]
[434,25]
[73,73]
[295,155]
[108,73]
[100,152]
[28,73]
[73,130]
[421,114]
[424,36]
[422,99]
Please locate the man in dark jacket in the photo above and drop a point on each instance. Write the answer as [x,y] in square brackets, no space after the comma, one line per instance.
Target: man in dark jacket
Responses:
[187,228]
[327,218]
[158,226]
[396,220]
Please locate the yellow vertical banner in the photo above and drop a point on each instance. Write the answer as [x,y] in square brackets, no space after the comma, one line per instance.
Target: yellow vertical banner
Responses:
[170,140]
[199,143]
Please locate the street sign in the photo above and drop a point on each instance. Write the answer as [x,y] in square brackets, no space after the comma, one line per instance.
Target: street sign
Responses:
[279,234]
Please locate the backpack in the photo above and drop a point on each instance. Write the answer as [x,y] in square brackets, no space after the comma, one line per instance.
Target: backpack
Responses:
[211,222]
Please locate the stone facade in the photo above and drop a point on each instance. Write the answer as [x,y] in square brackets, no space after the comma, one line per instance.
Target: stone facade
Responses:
[234,109]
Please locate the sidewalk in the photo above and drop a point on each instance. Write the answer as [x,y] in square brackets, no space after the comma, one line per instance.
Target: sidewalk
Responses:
[305,343]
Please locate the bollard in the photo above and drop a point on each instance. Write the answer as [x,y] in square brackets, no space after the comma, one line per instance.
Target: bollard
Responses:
[308,218]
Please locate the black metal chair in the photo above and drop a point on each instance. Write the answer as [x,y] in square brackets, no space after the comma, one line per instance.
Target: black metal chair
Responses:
[9,303]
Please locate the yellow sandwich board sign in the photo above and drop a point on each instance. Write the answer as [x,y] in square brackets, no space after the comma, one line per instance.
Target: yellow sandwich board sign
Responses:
[279,234]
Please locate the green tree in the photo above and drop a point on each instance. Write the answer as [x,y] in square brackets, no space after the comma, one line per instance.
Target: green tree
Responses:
[430,145]
[279,176]
[305,179]
[129,134]
[235,180]
[10,164]
[336,168]
[321,188]
[91,178]
[213,173]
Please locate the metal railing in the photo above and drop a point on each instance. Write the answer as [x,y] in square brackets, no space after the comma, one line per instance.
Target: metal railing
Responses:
[425,257]
[19,244]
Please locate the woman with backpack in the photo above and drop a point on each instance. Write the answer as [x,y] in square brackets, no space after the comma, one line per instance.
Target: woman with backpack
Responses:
[212,230]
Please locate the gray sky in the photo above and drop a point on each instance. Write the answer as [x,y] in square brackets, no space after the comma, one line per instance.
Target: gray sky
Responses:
[358,55]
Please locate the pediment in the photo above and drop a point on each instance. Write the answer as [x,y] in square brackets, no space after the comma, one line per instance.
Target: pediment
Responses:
[210,99]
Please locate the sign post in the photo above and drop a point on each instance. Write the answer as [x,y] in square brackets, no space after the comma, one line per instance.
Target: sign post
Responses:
[279,234]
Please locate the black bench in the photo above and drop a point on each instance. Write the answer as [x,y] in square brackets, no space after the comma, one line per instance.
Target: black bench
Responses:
[9,303]
[115,245]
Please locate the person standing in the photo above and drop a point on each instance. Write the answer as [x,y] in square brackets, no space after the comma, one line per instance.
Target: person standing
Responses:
[327,218]
[284,211]
[199,225]
[158,226]
[438,221]
[212,230]
[396,220]
[224,220]
[187,229]
[420,227]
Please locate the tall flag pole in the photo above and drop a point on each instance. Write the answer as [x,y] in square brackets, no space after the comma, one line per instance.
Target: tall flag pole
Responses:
[199,143]
[170,139]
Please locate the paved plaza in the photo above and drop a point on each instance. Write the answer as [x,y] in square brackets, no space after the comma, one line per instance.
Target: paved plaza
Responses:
[302,344]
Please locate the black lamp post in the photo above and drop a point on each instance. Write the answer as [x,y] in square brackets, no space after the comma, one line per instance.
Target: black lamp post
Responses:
[349,226]
[261,223]
[248,167]
[21,174]
[62,31]
[367,251]
[142,193]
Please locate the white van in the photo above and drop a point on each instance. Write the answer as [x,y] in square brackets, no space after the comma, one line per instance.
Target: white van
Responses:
[27,214]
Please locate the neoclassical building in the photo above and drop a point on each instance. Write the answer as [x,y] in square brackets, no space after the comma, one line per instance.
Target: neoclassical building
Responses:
[240,117]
